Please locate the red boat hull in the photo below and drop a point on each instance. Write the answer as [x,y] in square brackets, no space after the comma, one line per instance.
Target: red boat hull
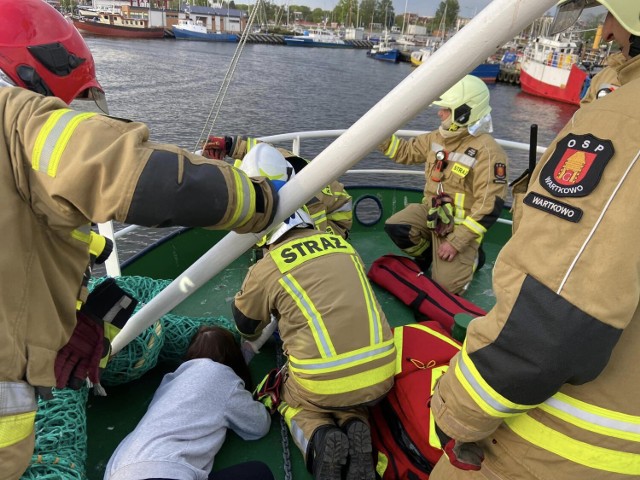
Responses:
[570,93]
[104,29]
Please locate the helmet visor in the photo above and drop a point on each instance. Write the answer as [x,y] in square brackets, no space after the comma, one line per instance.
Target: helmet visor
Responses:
[98,96]
[5,81]
[567,14]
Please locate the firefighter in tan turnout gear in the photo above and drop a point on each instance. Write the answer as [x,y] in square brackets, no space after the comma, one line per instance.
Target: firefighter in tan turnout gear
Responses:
[466,174]
[330,209]
[60,171]
[340,350]
[547,383]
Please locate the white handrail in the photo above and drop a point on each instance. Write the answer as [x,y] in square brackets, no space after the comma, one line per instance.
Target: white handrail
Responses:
[296,138]
[445,67]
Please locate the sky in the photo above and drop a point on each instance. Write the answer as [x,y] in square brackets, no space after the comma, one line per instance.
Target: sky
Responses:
[421,7]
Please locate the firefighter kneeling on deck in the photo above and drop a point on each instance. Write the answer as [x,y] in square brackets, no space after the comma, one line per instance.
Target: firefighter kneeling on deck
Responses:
[466,173]
[339,345]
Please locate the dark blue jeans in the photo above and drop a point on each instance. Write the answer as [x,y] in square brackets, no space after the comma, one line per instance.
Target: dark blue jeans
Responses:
[253,470]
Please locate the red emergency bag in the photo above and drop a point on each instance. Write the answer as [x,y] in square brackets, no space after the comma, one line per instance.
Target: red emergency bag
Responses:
[402,429]
[403,278]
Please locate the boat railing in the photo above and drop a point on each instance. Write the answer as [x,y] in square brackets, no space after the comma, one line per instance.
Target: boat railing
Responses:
[112,265]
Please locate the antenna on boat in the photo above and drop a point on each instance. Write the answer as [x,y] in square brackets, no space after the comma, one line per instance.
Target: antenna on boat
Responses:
[445,67]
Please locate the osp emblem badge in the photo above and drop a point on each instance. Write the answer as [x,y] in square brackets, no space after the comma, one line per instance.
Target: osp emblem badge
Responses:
[576,166]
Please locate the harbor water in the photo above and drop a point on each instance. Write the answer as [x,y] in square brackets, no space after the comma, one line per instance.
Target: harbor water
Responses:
[172,85]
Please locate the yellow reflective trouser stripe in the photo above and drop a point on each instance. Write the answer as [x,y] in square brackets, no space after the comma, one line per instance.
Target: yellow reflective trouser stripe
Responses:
[15,428]
[392,149]
[592,418]
[288,413]
[53,139]
[375,323]
[418,249]
[311,313]
[346,384]
[382,464]
[436,373]
[579,452]
[315,366]
[486,397]
[459,211]
[246,204]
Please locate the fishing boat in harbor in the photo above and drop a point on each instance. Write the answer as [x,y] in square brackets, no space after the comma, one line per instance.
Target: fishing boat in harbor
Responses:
[319,37]
[550,69]
[190,30]
[384,51]
[122,24]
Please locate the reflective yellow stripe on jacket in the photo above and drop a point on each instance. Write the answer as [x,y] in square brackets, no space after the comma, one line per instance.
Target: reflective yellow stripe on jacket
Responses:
[392,149]
[587,417]
[319,374]
[53,139]
[482,393]
[17,412]
[245,205]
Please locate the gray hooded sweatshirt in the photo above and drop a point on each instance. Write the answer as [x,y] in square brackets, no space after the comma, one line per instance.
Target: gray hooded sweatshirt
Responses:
[186,424]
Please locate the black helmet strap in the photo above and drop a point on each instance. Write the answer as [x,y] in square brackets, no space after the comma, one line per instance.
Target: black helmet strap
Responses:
[32,80]
[634,48]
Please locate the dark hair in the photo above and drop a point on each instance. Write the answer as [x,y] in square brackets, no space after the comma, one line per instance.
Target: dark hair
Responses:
[219,345]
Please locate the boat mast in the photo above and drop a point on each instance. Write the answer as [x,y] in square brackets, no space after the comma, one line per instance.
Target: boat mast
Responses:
[468,47]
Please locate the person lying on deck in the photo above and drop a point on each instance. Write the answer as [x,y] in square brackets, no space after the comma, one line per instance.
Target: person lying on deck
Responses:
[189,415]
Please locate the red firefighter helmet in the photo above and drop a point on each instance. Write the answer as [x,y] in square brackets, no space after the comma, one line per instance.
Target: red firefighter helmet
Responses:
[41,51]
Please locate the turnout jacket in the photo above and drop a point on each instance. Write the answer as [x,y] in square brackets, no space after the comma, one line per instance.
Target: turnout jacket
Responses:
[334,332]
[63,169]
[331,209]
[548,380]
[606,79]
[474,175]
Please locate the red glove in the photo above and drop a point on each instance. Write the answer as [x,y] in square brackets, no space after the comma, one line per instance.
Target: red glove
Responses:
[465,456]
[80,357]
[217,148]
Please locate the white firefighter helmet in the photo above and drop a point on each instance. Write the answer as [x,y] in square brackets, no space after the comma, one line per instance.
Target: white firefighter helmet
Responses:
[263,160]
[626,12]
[468,101]
[299,219]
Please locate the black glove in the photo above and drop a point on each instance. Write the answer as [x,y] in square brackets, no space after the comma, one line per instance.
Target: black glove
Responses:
[465,456]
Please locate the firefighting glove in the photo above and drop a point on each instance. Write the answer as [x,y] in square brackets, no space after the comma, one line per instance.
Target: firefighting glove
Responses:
[268,390]
[79,359]
[462,455]
[217,148]
[265,207]
[113,306]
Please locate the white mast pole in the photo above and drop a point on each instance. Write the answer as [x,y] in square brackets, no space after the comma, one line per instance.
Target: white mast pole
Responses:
[447,65]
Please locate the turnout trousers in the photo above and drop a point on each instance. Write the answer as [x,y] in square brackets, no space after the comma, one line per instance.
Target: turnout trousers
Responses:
[408,230]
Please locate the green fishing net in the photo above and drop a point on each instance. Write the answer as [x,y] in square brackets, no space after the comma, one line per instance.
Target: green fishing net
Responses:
[61,437]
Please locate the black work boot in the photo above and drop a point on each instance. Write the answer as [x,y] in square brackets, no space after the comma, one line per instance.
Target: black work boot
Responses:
[328,448]
[481,258]
[360,464]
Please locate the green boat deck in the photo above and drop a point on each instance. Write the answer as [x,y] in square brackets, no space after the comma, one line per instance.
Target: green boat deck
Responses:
[112,417]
